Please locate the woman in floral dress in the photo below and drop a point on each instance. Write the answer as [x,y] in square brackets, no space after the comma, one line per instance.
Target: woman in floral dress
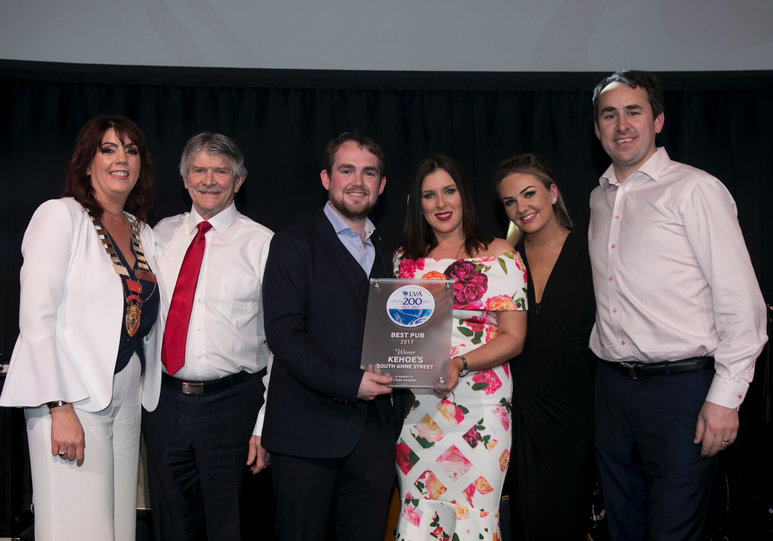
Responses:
[453,451]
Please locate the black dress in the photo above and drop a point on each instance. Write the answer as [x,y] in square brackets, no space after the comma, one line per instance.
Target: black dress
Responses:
[552,458]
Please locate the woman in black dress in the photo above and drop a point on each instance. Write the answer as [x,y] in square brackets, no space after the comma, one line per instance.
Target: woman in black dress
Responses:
[552,456]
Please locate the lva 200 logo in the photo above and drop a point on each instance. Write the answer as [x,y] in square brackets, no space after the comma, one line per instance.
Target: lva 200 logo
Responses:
[410,306]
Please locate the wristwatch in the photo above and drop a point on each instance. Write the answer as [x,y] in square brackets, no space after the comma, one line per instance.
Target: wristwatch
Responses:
[56,404]
[465,368]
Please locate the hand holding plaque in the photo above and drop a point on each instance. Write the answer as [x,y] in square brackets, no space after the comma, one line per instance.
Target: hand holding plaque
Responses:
[408,331]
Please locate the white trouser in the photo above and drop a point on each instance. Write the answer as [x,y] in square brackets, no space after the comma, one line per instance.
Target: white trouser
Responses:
[97,500]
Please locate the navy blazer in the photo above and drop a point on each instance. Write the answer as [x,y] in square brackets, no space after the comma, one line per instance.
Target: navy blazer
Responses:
[314,297]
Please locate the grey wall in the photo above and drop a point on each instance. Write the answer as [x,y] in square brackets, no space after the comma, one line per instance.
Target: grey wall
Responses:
[444,35]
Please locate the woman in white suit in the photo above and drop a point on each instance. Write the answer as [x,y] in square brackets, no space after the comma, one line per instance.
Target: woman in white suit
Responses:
[88,299]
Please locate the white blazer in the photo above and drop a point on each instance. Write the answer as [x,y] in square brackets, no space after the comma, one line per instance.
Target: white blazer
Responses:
[70,312]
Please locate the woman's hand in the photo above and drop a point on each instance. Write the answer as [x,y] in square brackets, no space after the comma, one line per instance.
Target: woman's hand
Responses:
[67,438]
[454,367]
[507,344]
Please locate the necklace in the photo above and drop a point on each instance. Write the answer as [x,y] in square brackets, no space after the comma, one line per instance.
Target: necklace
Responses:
[132,288]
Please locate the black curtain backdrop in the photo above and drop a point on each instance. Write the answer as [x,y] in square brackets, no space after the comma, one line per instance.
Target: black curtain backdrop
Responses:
[282,119]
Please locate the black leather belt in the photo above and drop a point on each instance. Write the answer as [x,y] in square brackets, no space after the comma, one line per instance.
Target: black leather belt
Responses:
[638,370]
[206,387]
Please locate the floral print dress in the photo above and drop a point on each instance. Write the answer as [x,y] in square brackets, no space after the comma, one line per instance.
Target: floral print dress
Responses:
[452,454]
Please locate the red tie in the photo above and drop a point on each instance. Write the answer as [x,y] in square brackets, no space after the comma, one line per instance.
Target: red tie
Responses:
[176,331]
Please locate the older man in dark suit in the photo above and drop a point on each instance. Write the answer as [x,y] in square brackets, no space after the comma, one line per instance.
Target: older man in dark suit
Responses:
[330,426]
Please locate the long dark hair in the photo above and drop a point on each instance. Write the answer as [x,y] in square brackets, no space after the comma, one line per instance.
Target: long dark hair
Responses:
[78,182]
[418,237]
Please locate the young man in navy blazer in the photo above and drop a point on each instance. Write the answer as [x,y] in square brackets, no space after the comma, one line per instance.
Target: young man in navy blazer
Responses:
[330,426]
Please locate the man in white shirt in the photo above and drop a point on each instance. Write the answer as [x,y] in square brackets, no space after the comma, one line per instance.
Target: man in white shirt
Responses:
[680,320]
[206,425]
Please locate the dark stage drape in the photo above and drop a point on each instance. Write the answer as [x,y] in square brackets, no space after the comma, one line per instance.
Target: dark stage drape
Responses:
[282,119]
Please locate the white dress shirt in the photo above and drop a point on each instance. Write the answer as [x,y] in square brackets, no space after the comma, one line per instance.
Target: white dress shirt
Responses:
[672,275]
[225,333]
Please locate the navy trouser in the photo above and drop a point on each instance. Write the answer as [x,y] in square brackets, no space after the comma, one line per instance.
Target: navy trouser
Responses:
[349,494]
[656,484]
[197,453]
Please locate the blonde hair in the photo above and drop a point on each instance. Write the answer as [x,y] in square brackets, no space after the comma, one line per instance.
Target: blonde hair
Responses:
[530,164]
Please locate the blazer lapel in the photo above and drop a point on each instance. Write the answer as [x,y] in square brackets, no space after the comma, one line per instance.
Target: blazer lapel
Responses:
[340,259]
[382,265]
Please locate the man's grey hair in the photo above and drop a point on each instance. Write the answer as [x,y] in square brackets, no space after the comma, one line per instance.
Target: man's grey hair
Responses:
[216,144]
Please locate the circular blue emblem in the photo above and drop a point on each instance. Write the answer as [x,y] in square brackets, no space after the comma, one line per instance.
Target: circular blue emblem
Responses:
[410,306]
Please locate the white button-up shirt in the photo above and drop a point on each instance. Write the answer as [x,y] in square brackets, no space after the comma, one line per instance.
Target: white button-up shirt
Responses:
[225,333]
[672,275]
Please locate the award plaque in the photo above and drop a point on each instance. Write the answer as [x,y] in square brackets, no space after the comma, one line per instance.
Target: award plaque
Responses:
[408,331]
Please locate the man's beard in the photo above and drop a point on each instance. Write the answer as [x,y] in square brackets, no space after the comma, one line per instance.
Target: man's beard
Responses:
[352,212]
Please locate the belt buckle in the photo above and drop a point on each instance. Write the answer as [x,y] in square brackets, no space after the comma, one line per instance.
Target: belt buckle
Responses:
[193,387]
[632,369]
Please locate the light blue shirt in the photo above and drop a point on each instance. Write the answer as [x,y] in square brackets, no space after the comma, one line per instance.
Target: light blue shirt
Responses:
[363,252]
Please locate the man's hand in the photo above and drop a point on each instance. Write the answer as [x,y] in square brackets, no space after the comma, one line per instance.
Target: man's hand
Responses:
[67,438]
[257,456]
[372,385]
[717,428]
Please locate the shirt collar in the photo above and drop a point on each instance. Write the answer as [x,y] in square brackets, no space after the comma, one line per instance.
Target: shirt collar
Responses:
[652,168]
[339,225]
[220,221]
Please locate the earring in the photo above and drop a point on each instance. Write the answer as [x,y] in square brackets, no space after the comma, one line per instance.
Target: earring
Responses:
[554,201]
